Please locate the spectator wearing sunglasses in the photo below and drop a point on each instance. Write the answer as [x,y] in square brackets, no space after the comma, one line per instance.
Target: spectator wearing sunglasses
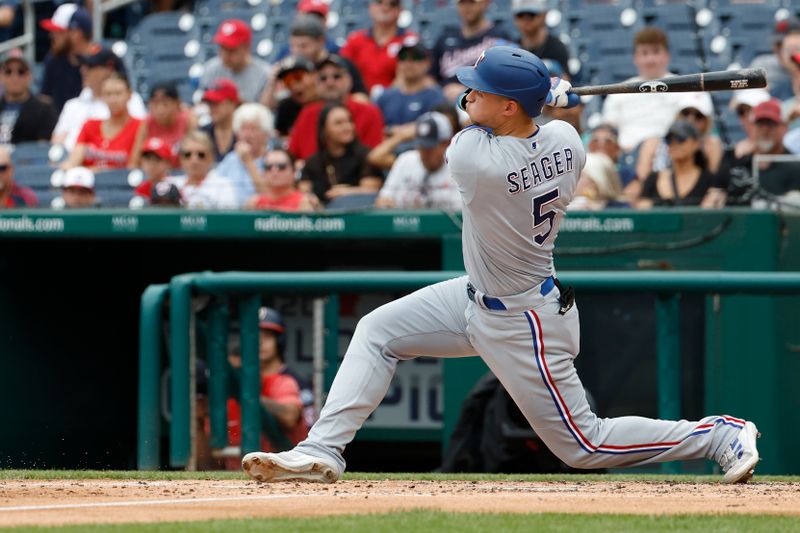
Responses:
[687,180]
[462,46]
[698,109]
[742,103]
[735,183]
[11,194]
[23,116]
[280,191]
[253,125]
[374,49]
[413,93]
[529,18]
[299,77]
[334,87]
[200,186]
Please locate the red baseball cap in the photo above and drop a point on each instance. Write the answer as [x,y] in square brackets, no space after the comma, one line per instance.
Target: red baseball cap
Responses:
[769,110]
[233,33]
[156,145]
[313,6]
[221,90]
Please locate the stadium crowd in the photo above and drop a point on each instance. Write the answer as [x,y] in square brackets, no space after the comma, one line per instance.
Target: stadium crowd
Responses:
[366,122]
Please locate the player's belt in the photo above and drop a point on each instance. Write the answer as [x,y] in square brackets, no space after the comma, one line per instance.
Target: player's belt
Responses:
[496,304]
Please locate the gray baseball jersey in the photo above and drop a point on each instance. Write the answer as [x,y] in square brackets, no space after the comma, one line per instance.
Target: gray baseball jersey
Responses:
[515,194]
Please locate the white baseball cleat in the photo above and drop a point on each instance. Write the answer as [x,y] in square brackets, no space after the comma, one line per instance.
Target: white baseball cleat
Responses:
[289,466]
[739,460]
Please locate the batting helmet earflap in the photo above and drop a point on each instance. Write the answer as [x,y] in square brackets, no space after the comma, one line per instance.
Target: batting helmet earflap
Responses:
[511,72]
[271,320]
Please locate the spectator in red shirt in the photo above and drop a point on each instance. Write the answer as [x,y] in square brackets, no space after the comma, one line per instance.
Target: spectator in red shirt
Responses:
[157,158]
[280,390]
[299,76]
[115,142]
[11,194]
[167,119]
[334,86]
[280,193]
[374,50]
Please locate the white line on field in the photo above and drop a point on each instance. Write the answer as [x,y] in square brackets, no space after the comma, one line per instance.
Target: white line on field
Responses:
[133,503]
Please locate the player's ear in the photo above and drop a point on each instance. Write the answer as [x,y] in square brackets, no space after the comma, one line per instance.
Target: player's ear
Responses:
[511,107]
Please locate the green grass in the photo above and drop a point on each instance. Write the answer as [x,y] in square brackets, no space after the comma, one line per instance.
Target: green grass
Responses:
[370,476]
[465,522]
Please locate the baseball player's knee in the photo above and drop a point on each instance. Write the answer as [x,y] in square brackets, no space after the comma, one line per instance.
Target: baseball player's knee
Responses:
[577,458]
[372,330]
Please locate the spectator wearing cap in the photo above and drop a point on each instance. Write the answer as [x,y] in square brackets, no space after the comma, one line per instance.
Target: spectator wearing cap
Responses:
[23,116]
[280,192]
[307,41]
[96,68]
[157,160]
[642,116]
[165,194]
[168,119]
[339,167]
[462,46]
[235,61]
[413,91]
[70,30]
[222,98]
[687,180]
[77,188]
[698,109]
[200,186]
[775,64]
[114,142]
[529,18]
[299,77]
[735,183]
[244,167]
[742,103]
[374,50]
[420,178]
[320,10]
[334,87]
[13,195]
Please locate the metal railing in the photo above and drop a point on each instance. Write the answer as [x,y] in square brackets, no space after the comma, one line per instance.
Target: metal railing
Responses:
[248,287]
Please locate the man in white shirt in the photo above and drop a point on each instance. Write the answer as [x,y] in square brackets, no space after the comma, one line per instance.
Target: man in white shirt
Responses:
[419,178]
[642,116]
[95,69]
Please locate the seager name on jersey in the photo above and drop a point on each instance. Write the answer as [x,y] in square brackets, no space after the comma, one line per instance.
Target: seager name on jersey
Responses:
[540,170]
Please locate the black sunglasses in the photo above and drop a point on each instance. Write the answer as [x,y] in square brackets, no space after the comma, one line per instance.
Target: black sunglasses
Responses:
[4,167]
[187,154]
[277,166]
[669,139]
[411,55]
[692,113]
[742,110]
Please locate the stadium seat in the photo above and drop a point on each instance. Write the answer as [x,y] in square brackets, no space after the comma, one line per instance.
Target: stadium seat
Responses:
[31,153]
[352,201]
[114,198]
[110,180]
[34,176]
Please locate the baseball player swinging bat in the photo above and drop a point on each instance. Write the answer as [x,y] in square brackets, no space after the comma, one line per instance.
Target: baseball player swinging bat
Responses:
[724,80]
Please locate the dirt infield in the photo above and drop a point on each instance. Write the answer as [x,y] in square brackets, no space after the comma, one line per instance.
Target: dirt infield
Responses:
[34,502]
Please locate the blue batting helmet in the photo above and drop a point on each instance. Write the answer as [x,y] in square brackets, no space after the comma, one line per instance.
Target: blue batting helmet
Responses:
[271,320]
[510,72]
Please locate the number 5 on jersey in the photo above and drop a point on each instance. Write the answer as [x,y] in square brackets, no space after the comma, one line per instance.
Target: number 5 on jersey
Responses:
[541,215]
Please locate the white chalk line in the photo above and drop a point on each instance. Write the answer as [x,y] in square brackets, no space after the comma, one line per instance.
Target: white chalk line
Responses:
[134,503]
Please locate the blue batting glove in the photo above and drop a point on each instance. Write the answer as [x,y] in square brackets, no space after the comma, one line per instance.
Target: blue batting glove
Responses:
[559,95]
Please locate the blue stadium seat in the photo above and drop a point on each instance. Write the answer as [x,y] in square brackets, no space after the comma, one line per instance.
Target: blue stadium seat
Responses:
[34,176]
[31,153]
[352,201]
[110,180]
[671,17]
[115,198]
[46,196]
[159,25]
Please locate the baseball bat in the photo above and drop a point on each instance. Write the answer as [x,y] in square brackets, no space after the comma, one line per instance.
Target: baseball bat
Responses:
[724,80]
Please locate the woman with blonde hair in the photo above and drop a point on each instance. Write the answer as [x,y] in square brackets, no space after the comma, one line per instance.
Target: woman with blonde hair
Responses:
[599,185]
